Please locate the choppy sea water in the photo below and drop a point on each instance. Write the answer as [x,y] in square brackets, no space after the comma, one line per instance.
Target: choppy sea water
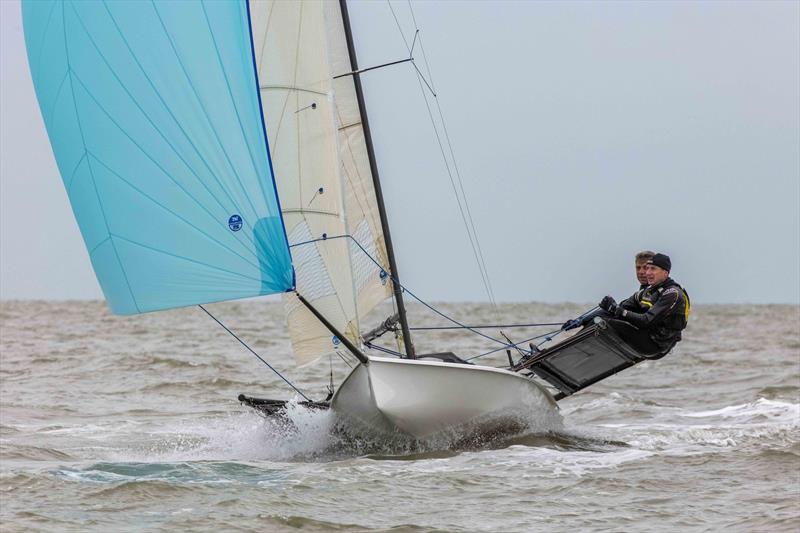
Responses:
[132,424]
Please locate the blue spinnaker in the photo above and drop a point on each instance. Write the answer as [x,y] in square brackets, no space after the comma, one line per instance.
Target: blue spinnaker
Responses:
[152,110]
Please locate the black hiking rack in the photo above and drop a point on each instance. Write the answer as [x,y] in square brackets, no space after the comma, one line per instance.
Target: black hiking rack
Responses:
[270,407]
[592,355]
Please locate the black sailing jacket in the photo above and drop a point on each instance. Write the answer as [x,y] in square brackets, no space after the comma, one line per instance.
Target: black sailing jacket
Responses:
[662,310]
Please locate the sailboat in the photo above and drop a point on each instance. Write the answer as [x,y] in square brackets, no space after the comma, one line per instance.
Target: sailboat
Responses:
[213,151]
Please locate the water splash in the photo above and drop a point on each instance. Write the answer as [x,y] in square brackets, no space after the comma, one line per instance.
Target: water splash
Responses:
[311,435]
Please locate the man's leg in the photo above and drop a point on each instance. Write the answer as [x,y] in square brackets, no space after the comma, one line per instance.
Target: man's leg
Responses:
[639,339]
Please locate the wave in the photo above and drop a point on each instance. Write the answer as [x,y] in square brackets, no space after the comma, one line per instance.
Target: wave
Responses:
[33,453]
[304,435]
[762,409]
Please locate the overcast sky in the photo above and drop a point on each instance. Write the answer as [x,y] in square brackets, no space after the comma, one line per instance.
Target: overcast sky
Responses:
[583,132]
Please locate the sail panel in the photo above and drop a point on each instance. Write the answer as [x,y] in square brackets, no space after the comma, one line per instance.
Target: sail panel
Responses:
[297,105]
[322,171]
[153,113]
[360,202]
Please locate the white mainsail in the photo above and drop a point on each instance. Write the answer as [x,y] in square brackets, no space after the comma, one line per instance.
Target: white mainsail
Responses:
[321,167]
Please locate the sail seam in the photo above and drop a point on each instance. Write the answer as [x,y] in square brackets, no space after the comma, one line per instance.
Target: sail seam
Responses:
[44,36]
[246,236]
[353,323]
[75,170]
[365,211]
[99,244]
[205,113]
[171,114]
[174,213]
[296,103]
[266,32]
[320,249]
[162,169]
[311,211]
[292,88]
[48,118]
[83,141]
[351,125]
[235,108]
[184,258]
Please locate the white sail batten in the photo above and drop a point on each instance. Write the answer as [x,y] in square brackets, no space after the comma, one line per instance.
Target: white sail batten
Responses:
[321,168]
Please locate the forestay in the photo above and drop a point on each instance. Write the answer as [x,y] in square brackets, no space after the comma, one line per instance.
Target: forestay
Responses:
[321,168]
[153,113]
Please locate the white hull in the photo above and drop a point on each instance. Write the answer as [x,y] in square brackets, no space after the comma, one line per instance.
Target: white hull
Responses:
[421,398]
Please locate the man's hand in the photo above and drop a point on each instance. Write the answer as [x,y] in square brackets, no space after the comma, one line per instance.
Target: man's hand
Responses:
[608,304]
[571,324]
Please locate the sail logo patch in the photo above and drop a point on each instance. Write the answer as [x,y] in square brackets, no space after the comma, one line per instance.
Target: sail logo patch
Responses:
[335,340]
[384,277]
[235,222]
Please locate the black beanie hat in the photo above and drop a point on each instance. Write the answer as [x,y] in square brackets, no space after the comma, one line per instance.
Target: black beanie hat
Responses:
[661,261]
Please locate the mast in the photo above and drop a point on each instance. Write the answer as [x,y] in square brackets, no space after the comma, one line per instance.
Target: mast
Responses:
[398,290]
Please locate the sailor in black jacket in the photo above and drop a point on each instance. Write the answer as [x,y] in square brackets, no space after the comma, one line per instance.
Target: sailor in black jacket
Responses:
[651,320]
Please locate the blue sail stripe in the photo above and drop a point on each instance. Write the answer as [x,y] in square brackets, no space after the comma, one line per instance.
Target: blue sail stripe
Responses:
[157,131]
[230,94]
[49,115]
[98,245]
[74,171]
[146,154]
[116,252]
[83,141]
[169,111]
[44,36]
[200,102]
[146,116]
[176,215]
[183,257]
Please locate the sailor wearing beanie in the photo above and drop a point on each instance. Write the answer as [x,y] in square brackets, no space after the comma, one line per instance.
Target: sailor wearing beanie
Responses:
[651,320]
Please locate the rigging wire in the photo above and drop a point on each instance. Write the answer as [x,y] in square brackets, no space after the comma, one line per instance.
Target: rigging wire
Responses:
[343,359]
[404,288]
[474,329]
[452,152]
[488,326]
[547,337]
[254,353]
[466,214]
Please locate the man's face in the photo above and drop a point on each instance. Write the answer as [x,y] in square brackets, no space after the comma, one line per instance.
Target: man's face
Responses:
[655,275]
[641,272]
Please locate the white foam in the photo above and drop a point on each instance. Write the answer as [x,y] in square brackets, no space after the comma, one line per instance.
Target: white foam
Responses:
[241,435]
[774,410]
[715,430]
[308,434]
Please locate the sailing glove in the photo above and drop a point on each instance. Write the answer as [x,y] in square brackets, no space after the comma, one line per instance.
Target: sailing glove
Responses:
[608,304]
